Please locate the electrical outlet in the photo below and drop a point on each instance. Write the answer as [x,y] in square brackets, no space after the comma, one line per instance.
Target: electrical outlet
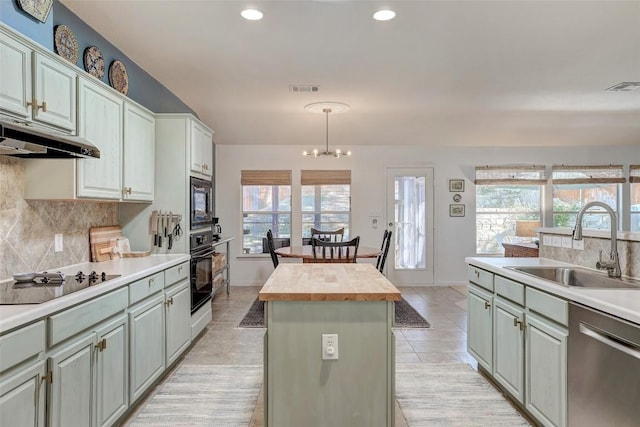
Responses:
[57,243]
[329,346]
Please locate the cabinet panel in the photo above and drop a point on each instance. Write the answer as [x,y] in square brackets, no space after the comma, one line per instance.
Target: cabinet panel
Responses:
[101,123]
[196,147]
[139,153]
[55,84]
[22,397]
[112,372]
[480,327]
[15,84]
[207,152]
[508,362]
[546,371]
[178,321]
[71,391]
[480,277]
[20,345]
[147,339]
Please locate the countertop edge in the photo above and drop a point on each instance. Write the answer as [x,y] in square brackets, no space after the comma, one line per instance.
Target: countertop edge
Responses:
[622,303]
[132,269]
[329,296]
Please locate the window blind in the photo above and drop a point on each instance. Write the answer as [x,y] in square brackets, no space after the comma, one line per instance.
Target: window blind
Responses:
[634,173]
[510,175]
[325,177]
[607,174]
[265,177]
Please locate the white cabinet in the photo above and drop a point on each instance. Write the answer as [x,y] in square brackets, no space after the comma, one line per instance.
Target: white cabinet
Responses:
[480,326]
[112,373]
[22,396]
[35,87]
[508,350]
[139,153]
[147,345]
[178,320]
[101,122]
[201,149]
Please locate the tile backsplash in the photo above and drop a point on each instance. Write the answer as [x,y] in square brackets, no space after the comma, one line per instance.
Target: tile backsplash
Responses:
[628,252]
[27,227]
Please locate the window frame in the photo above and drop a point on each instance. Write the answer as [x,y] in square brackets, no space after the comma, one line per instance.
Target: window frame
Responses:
[319,179]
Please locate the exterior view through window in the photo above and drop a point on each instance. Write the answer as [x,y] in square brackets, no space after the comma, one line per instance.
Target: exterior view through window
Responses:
[326,207]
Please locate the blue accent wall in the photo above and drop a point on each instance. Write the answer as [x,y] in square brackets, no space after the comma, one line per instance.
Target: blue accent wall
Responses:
[143,88]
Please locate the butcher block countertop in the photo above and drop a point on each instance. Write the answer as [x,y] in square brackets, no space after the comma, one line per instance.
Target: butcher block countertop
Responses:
[328,282]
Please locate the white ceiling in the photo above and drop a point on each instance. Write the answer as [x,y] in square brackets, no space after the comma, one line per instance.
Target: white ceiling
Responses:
[484,73]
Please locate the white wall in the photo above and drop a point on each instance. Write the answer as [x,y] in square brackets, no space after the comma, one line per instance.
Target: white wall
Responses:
[454,237]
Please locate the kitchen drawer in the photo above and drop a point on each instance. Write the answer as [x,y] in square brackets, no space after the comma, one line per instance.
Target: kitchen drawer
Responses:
[21,345]
[480,277]
[548,305]
[76,319]
[174,274]
[145,287]
[509,289]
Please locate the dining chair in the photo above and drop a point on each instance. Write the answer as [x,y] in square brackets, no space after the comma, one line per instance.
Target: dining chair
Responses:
[272,249]
[384,250]
[345,252]
[330,236]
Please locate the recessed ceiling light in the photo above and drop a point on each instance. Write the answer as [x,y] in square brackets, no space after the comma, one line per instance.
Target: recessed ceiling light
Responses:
[384,15]
[251,14]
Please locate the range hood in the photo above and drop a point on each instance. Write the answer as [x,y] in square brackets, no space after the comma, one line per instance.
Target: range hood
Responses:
[20,140]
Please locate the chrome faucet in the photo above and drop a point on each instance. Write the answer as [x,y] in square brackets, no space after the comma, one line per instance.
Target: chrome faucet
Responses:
[613,265]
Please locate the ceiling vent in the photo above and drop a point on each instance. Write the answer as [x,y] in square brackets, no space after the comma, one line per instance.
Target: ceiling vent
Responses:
[625,87]
[304,88]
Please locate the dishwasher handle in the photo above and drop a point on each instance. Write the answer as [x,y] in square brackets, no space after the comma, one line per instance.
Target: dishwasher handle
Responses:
[611,340]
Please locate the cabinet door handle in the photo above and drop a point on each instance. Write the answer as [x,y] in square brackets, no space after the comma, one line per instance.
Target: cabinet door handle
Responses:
[102,344]
[518,322]
[34,104]
[151,282]
[126,190]
[487,305]
[169,302]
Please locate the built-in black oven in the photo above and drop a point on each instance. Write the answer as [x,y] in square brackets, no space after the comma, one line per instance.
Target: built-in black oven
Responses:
[201,203]
[201,269]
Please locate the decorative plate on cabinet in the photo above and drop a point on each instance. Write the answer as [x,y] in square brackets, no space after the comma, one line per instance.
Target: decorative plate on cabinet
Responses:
[93,62]
[65,43]
[39,9]
[118,78]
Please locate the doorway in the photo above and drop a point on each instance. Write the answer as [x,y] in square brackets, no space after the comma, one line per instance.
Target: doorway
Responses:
[410,217]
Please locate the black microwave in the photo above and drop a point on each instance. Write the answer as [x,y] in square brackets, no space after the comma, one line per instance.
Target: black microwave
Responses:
[201,203]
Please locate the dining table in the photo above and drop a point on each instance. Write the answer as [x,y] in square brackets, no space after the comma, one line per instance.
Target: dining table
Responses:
[305,252]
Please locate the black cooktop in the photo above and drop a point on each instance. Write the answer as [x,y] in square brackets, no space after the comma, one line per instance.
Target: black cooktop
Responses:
[36,288]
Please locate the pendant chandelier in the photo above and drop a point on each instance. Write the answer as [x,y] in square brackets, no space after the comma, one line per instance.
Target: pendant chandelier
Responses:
[326,108]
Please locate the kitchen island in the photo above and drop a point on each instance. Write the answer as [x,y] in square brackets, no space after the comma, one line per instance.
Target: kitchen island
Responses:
[329,347]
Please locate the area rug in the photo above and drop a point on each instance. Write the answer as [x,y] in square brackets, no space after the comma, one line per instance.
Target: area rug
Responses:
[204,395]
[451,394]
[406,316]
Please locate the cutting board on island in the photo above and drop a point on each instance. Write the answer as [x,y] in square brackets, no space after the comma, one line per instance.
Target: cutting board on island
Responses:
[102,241]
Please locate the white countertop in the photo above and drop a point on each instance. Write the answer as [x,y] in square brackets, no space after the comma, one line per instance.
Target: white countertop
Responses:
[131,269]
[623,303]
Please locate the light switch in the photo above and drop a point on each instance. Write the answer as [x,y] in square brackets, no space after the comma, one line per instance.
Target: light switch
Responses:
[58,243]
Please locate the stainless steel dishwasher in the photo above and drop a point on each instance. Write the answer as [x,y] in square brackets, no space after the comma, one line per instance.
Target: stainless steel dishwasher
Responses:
[603,369]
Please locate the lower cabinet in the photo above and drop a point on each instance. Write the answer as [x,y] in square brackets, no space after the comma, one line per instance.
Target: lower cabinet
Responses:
[178,320]
[22,396]
[546,371]
[88,383]
[480,326]
[147,338]
[508,345]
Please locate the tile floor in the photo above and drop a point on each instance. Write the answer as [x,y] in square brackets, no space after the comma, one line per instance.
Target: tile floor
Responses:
[223,343]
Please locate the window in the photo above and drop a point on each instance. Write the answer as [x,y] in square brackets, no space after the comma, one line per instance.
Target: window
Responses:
[506,195]
[266,204]
[575,186]
[326,200]
[634,179]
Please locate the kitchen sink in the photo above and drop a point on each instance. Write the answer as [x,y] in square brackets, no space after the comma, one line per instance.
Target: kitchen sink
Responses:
[578,277]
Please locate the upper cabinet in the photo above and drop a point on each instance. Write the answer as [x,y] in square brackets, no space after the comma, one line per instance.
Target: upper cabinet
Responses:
[139,153]
[201,139]
[36,88]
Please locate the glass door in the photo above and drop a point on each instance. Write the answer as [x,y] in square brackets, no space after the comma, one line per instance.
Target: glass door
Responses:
[410,217]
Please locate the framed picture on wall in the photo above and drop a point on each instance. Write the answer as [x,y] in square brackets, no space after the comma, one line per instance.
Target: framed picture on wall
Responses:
[456,185]
[456,210]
